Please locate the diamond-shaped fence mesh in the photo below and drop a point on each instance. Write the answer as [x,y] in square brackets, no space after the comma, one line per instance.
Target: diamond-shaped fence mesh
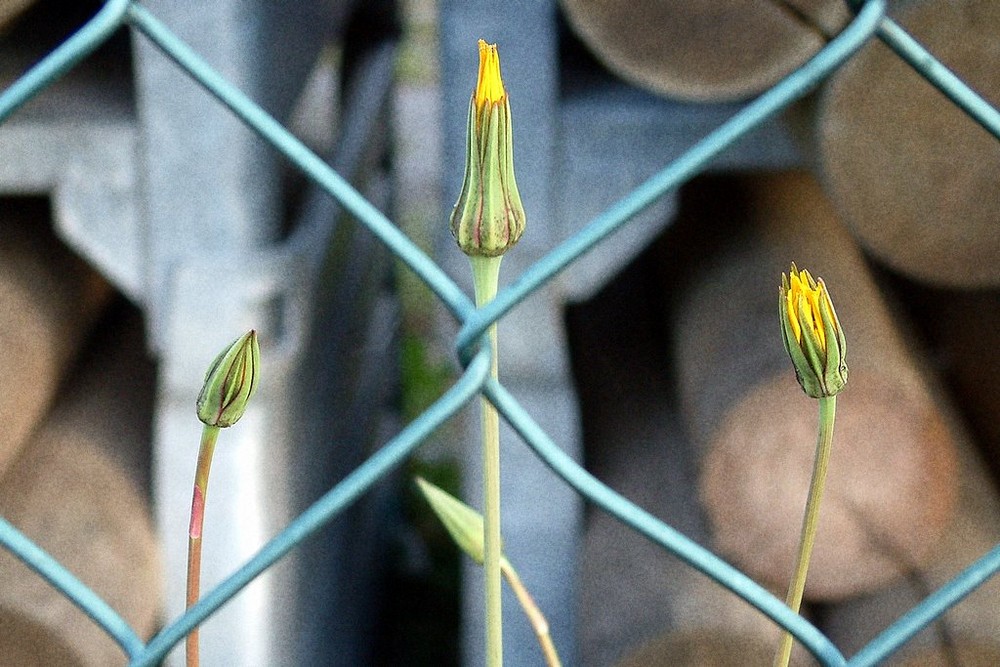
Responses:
[869,22]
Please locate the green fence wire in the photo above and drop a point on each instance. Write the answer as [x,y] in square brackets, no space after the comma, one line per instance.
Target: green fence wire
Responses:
[869,21]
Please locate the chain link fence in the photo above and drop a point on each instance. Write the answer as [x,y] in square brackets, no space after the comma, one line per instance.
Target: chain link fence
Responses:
[870,22]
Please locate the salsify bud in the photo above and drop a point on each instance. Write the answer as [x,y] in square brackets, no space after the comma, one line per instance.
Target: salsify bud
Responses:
[230,382]
[488,217]
[812,335]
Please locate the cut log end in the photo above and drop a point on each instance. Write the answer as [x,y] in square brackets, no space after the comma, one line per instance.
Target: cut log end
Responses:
[913,175]
[704,50]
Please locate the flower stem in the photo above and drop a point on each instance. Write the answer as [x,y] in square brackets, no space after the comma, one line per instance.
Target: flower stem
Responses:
[534,614]
[827,414]
[486,272]
[209,435]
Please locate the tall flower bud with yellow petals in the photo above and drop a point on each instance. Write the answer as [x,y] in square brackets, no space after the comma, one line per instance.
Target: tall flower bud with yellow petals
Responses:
[487,221]
[488,217]
[814,340]
[812,334]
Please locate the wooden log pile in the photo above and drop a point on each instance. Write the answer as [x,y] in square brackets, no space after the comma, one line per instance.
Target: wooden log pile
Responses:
[900,214]
[904,496]
[76,404]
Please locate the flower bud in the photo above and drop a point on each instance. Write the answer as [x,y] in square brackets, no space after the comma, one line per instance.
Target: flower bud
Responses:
[812,335]
[230,382]
[488,217]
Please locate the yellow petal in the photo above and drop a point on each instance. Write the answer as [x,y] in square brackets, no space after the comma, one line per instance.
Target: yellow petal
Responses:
[814,296]
[793,320]
[489,87]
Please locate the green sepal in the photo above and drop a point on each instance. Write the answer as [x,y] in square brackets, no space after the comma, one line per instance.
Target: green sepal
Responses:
[464,524]
[835,373]
[465,214]
[811,372]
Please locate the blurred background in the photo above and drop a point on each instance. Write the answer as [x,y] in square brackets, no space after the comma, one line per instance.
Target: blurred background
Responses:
[144,228]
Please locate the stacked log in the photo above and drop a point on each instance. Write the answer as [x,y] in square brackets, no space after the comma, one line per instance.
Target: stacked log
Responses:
[704,50]
[49,301]
[912,175]
[968,633]
[77,488]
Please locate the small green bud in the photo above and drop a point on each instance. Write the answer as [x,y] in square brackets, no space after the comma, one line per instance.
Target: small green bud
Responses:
[488,218]
[812,335]
[464,524]
[230,382]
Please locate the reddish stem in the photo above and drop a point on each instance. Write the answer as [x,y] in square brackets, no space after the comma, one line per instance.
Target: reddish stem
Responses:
[208,437]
